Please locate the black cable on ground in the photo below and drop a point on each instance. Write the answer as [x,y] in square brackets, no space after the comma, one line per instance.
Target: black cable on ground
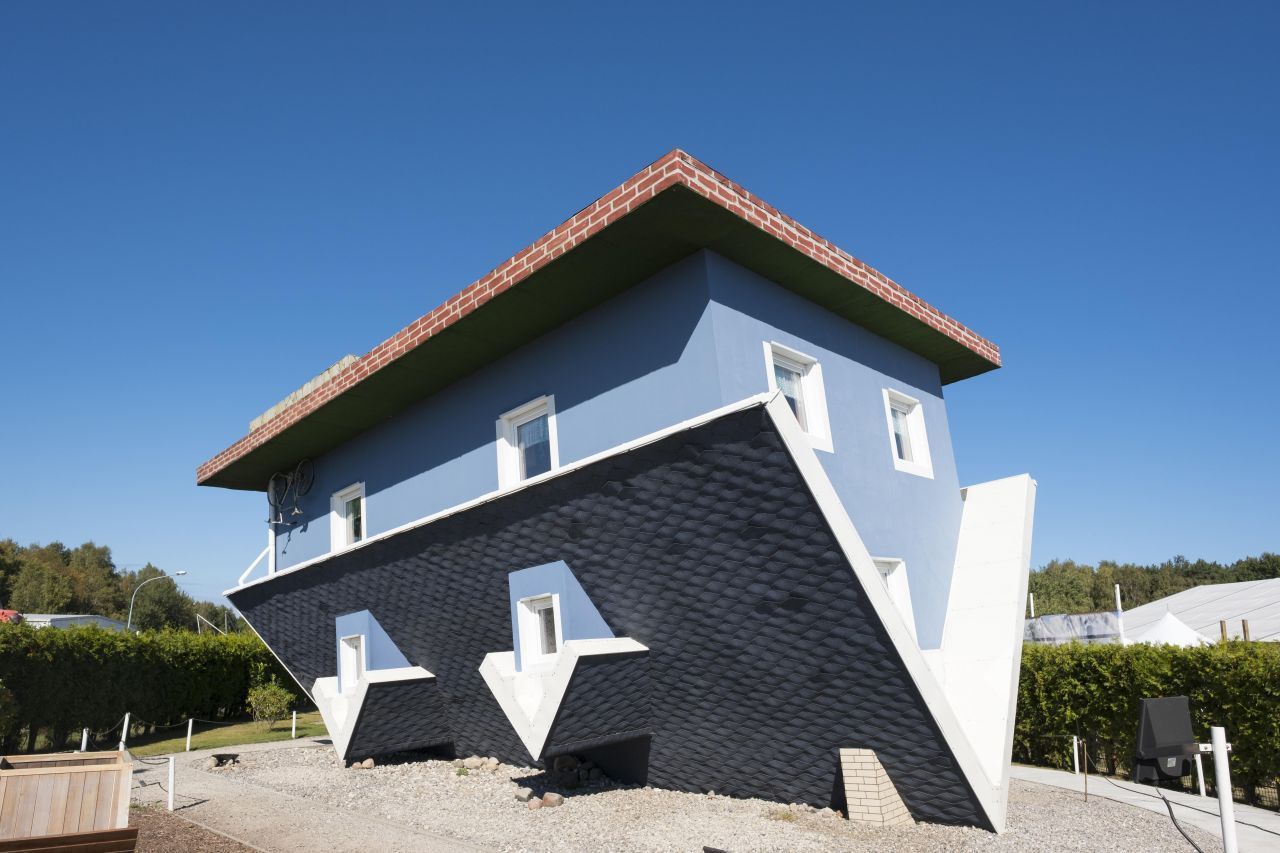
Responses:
[1168,805]
[1160,796]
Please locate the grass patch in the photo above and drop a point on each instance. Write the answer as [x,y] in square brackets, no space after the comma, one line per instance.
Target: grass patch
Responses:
[208,736]
[781,814]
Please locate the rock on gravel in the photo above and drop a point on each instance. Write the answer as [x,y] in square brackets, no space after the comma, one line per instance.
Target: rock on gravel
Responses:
[523,795]
[482,808]
[552,799]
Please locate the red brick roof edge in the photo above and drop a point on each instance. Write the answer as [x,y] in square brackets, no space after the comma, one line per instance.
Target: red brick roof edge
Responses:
[675,167]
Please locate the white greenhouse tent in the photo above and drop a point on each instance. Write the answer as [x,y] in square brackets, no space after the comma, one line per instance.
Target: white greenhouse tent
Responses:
[1201,608]
[1168,630]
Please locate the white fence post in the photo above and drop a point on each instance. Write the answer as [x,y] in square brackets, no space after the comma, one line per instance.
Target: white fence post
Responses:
[84,741]
[171,775]
[294,732]
[1222,780]
[1200,773]
[124,731]
[190,722]
[1075,755]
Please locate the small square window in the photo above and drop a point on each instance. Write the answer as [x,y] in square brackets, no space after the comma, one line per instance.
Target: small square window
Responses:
[527,442]
[798,378]
[352,664]
[893,573]
[789,378]
[347,517]
[540,629]
[907,439]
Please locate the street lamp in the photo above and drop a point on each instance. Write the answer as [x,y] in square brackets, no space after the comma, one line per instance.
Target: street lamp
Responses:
[129,624]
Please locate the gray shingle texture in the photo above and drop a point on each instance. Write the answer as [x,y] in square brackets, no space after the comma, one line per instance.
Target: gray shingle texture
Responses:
[705,546]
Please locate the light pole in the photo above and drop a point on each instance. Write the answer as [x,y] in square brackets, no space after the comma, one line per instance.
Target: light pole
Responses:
[129,624]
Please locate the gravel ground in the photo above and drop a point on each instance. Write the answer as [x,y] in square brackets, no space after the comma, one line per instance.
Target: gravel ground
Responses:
[480,807]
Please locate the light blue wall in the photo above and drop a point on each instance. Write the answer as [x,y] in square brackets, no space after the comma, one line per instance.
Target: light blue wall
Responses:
[640,362]
[579,619]
[380,651]
[897,514]
[685,342]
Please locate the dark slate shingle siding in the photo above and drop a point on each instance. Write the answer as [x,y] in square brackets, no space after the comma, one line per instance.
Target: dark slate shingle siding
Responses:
[765,655]
[608,698]
[399,715]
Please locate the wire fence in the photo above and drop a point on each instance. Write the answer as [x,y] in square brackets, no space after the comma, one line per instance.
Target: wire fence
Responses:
[1111,761]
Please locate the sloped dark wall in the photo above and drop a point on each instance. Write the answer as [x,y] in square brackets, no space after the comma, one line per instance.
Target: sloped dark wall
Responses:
[400,715]
[706,547]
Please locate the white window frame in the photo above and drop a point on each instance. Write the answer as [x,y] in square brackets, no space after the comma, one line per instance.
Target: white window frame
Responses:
[528,611]
[893,572]
[921,463]
[508,440]
[350,680]
[338,518]
[817,425]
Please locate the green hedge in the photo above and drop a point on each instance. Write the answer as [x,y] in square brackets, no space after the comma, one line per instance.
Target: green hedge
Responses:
[62,680]
[1094,691]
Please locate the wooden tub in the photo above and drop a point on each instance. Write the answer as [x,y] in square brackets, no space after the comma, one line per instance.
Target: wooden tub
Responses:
[63,797]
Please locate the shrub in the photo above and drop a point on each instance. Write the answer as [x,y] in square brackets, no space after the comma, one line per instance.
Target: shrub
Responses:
[63,680]
[269,702]
[8,714]
[1094,690]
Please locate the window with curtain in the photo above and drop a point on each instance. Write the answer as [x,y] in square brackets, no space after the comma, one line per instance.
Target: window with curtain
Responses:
[347,524]
[901,431]
[908,441]
[790,379]
[798,379]
[354,512]
[527,441]
[533,442]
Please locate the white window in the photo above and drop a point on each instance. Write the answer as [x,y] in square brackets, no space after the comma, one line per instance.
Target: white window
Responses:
[907,440]
[527,444]
[351,667]
[347,517]
[540,629]
[798,378]
[894,574]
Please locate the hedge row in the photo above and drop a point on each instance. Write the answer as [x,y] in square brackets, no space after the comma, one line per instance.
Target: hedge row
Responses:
[1094,690]
[62,680]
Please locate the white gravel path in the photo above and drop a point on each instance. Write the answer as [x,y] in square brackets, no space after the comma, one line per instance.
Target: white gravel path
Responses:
[481,808]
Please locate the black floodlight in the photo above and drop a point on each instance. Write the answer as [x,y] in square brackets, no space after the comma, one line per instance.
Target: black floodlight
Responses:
[1165,742]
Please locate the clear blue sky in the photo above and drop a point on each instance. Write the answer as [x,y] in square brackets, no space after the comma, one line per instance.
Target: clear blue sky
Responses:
[200,208]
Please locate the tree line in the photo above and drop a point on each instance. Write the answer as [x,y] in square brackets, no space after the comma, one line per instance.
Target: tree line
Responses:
[53,578]
[1065,586]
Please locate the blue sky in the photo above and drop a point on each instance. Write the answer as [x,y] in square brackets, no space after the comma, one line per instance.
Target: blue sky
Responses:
[200,208]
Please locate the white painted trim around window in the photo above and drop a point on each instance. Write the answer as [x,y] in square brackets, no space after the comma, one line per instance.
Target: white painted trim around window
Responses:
[347,678]
[508,445]
[338,539]
[893,572]
[921,463]
[528,612]
[817,424]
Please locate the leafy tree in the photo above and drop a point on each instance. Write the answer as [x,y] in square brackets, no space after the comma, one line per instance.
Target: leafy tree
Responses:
[39,588]
[1064,586]
[221,617]
[162,604]
[53,578]
[94,580]
[10,563]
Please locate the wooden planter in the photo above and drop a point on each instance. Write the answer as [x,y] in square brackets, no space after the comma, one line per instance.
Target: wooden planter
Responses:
[47,799]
